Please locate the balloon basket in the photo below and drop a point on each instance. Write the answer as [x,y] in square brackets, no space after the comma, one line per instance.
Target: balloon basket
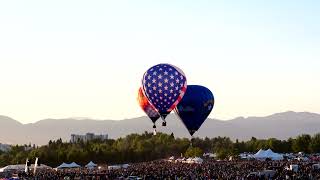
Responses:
[164,123]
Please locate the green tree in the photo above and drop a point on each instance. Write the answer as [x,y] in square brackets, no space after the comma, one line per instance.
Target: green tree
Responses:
[315,143]
[194,152]
[146,146]
[302,143]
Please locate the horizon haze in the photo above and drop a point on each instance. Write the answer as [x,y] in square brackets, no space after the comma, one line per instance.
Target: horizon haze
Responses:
[271,126]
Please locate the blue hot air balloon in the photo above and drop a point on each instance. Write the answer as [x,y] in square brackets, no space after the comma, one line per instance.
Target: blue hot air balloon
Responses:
[195,107]
[164,85]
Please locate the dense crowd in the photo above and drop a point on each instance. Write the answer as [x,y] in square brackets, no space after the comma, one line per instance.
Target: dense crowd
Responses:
[234,170]
[216,170]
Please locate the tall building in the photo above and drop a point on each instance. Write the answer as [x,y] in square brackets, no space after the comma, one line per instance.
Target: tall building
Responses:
[87,137]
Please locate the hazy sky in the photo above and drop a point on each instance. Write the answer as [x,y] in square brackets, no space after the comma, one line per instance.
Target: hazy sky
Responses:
[86,58]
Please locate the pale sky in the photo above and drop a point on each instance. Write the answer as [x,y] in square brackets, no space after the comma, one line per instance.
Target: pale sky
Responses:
[63,58]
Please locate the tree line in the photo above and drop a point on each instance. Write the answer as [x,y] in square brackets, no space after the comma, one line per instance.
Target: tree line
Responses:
[146,147]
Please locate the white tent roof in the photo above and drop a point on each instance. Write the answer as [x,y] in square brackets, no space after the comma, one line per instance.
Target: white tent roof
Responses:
[21,167]
[197,160]
[74,165]
[42,166]
[211,155]
[269,151]
[63,165]
[119,166]
[17,167]
[71,165]
[91,165]
[261,154]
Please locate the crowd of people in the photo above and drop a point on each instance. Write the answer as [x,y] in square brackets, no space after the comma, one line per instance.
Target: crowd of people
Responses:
[209,169]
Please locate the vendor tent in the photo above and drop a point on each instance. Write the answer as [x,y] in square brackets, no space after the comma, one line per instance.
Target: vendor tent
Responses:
[63,165]
[42,166]
[17,167]
[71,165]
[261,151]
[114,167]
[171,159]
[119,166]
[268,154]
[210,155]
[260,154]
[74,165]
[272,155]
[189,161]
[21,167]
[91,165]
[197,160]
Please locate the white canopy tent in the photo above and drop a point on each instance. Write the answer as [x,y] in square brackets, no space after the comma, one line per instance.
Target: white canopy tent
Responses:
[180,160]
[71,165]
[91,165]
[260,152]
[197,160]
[17,167]
[21,167]
[74,165]
[42,166]
[62,166]
[171,159]
[189,161]
[120,166]
[210,155]
[263,155]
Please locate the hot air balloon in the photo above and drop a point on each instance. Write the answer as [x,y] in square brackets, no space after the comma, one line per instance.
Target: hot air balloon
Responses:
[148,108]
[164,85]
[195,107]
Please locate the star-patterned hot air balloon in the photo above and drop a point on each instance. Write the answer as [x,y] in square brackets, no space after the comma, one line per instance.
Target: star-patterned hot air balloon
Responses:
[164,85]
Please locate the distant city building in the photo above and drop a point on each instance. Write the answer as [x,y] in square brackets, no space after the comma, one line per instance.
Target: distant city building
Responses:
[87,137]
[5,147]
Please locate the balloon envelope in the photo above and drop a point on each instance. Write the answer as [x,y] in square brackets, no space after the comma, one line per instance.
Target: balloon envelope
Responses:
[195,107]
[147,107]
[164,85]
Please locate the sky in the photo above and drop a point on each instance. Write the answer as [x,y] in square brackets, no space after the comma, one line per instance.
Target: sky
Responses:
[61,59]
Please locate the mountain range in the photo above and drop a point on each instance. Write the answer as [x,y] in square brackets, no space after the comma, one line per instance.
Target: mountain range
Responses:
[280,125]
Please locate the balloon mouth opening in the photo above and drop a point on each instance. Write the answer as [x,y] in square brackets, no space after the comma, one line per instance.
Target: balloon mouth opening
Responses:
[163,116]
[192,132]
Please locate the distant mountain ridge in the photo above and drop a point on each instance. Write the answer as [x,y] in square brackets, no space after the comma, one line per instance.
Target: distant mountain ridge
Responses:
[279,125]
